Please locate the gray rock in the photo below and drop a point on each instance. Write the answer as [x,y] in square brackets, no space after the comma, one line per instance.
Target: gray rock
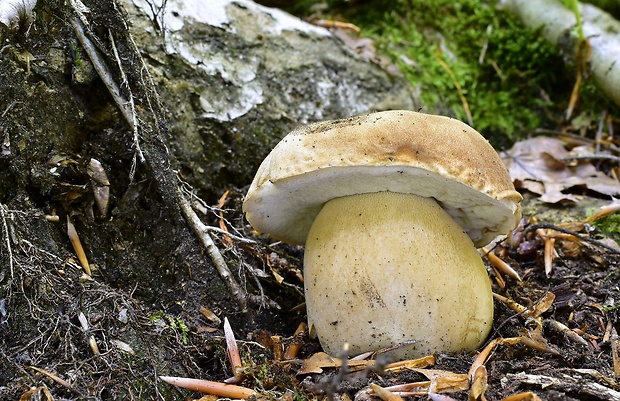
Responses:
[237,76]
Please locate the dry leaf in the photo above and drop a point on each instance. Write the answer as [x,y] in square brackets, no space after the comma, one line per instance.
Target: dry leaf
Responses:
[319,361]
[384,394]
[527,396]
[534,339]
[423,362]
[446,381]
[479,384]
[541,307]
[365,47]
[537,164]
[210,315]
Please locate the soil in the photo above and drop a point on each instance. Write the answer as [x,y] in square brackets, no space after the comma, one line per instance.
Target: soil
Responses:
[164,328]
[155,304]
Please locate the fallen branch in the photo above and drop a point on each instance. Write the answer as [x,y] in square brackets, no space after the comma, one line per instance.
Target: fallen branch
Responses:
[600,29]
[567,384]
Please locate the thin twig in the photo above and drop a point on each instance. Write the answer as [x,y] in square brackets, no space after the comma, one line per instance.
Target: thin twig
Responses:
[131,109]
[9,107]
[8,240]
[202,205]
[77,246]
[103,71]
[233,236]
[127,107]
[592,157]
[581,237]
[200,229]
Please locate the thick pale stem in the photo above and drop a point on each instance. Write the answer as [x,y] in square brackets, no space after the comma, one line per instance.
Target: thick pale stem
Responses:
[385,268]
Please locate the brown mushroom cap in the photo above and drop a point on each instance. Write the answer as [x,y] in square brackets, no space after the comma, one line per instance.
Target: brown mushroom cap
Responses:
[398,151]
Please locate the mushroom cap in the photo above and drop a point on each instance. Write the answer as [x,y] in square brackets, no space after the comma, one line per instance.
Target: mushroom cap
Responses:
[398,151]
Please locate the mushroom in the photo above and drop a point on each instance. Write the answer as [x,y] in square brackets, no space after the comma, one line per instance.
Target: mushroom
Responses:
[391,207]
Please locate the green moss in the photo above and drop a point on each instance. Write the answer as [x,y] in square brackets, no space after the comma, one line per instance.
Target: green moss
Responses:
[608,226]
[77,56]
[611,308]
[177,325]
[516,84]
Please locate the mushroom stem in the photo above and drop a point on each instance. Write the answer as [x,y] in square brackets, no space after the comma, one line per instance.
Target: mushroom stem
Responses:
[383,268]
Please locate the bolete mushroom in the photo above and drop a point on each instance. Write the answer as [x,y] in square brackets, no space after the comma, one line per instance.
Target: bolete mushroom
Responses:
[391,207]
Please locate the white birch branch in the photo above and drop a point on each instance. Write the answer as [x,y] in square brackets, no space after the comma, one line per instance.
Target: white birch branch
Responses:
[558,27]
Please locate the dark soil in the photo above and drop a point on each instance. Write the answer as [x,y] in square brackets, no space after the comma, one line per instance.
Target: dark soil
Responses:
[156,327]
[155,302]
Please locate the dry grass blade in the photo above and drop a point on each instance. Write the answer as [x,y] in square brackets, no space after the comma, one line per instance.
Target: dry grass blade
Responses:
[580,237]
[479,384]
[419,363]
[445,381]
[445,66]
[535,340]
[207,313]
[604,211]
[541,306]
[417,388]
[534,311]
[53,377]
[501,283]
[209,387]
[319,361]
[220,205]
[482,356]
[562,328]
[582,58]
[549,255]
[77,246]
[384,394]
[515,306]
[293,349]
[527,396]
[615,348]
[437,397]
[233,351]
[28,395]
[502,266]
[549,252]
[337,24]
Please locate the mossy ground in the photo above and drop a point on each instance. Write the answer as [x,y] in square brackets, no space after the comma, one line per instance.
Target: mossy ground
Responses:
[470,54]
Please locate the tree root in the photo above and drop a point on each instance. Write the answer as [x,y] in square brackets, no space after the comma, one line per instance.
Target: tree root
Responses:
[201,231]
[150,132]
